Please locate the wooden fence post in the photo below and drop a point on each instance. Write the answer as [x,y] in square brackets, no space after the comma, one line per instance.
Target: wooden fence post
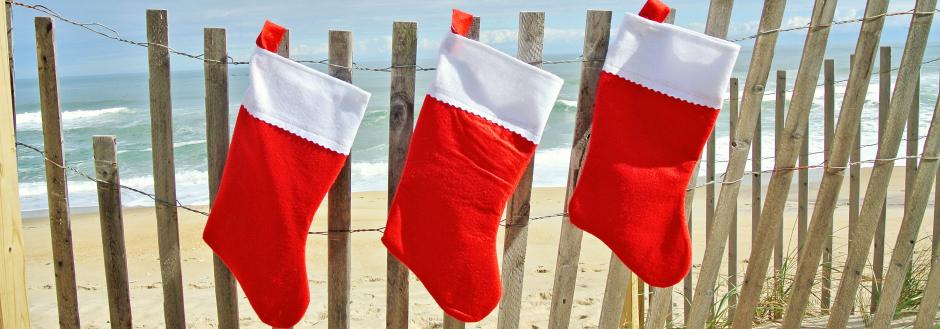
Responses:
[401,126]
[161,125]
[829,105]
[900,262]
[473,34]
[596,38]
[779,186]
[928,303]
[531,35]
[215,67]
[112,230]
[882,169]
[829,118]
[60,222]
[843,143]
[14,309]
[884,103]
[855,176]
[780,107]
[913,139]
[339,212]
[753,93]
[733,121]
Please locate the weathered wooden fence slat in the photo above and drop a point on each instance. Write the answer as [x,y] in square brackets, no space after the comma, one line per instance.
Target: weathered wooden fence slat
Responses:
[619,288]
[855,176]
[875,194]
[780,110]
[758,71]
[161,125]
[817,233]
[112,230]
[928,303]
[14,309]
[217,140]
[829,122]
[60,222]
[531,35]
[829,118]
[400,129]
[596,39]
[791,139]
[884,102]
[732,280]
[900,262]
[339,214]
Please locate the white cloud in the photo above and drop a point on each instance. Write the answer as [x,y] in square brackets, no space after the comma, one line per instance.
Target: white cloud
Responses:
[306,49]
[498,36]
[796,21]
[553,34]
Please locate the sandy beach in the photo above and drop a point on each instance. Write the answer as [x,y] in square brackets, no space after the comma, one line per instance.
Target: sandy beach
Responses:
[368,269]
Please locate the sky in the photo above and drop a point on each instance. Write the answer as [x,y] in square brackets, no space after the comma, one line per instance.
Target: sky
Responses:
[80,52]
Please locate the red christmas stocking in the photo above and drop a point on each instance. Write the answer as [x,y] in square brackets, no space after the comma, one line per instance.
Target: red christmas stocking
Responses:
[292,136]
[657,100]
[477,131]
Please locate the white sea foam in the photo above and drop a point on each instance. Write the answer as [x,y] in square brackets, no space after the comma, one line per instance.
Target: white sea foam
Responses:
[70,119]
[568,103]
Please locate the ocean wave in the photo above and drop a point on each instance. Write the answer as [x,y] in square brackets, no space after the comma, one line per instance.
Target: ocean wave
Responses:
[568,103]
[33,120]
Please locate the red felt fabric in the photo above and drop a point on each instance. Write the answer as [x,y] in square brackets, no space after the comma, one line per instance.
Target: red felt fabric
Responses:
[270,37]
[631,192]
[272,185]
[654,10]
[460,172]
[460,22]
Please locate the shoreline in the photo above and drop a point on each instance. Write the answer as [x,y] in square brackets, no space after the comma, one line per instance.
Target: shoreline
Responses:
[369,262]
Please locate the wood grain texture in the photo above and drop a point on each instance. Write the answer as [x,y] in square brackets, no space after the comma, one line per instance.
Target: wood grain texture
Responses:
[400,128]
[884,103]
[14,308]
[613,307]
[339,209]
[732,279]
[531,39]
[855,175]
[779,115]
[780,108]
[900,263]
[215,69]
[778,189]
[161,126]
[60,223]
[818,230]
[829,118]
[112,230]
[759,69]
[928,303]
[874,201]
[596,39]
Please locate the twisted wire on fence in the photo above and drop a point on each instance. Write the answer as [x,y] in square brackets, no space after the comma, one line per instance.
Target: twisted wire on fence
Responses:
[110,33]
[503,222]
[113,34]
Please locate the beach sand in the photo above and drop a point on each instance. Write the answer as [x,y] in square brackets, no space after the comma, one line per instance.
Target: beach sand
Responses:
[369,261]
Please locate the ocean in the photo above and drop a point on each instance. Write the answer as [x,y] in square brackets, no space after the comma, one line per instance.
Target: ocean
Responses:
[118,105]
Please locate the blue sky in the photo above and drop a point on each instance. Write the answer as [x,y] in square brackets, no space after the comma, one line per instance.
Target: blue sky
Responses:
[82,53]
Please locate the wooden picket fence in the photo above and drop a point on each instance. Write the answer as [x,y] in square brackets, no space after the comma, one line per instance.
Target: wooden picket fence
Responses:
[625,301]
